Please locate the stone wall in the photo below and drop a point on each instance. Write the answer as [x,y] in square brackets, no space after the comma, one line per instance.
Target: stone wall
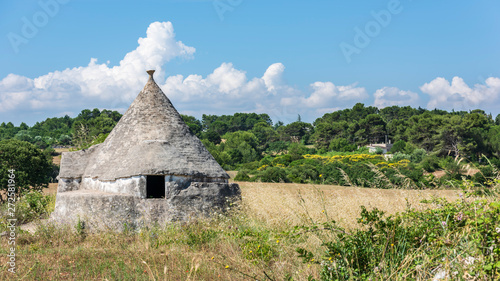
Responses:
[135,186]
[103,210]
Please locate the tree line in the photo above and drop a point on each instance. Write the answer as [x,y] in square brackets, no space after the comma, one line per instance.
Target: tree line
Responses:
[246,137]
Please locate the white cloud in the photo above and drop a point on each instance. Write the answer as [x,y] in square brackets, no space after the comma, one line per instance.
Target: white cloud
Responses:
[273,77]
[14,91]
[227,90]
[458,95]
[326,94]
[89,85]
[224,91]
[389,96]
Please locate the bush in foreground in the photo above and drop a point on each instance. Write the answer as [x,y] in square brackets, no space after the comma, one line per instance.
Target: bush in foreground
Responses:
[457,240]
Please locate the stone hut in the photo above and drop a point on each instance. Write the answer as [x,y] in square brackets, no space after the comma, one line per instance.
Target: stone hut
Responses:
[151,168]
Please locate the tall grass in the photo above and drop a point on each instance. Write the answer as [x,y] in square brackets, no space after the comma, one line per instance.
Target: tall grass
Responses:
[258,240]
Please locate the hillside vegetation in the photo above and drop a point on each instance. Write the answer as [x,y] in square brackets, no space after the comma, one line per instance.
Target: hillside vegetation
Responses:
[424,141]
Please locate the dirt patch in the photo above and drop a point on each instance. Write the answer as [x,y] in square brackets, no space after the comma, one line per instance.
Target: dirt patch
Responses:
[61,150]
[51,190]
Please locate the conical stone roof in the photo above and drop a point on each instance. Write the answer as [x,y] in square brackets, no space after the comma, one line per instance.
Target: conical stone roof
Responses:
[151,139]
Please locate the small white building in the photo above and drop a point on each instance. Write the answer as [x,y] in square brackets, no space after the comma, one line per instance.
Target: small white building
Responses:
[386,147]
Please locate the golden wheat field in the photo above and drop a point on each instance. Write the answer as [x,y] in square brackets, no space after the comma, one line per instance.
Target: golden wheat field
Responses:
[292,204]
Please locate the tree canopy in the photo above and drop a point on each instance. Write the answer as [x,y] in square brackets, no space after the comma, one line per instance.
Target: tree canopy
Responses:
[31,166]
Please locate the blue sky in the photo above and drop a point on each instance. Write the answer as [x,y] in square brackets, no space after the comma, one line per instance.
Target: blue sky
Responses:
[224,56]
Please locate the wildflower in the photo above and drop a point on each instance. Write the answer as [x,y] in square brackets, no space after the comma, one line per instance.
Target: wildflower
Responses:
[392,245]
[250,251]
[212,258]
[227,266]
[322,211]
[320,176]
[277,241]
[443,223]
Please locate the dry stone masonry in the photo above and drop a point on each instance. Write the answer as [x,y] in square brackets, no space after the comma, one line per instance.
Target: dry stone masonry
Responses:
[150,169]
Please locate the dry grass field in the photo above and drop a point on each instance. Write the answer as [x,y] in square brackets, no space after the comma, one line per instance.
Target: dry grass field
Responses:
[292,204]
[209,249]
[250,244]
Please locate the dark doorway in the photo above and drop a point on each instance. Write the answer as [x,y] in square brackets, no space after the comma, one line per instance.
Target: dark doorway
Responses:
[155,187]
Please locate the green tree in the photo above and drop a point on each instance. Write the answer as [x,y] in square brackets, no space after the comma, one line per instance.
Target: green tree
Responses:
[264,133]
[423,130]
[371,129]
[398,146]
[212,136]
[297,150]
[493,140]
[241,147]
[296,132]
[325,132]
[32,167]
[277,147]
[342,145]
[193,124]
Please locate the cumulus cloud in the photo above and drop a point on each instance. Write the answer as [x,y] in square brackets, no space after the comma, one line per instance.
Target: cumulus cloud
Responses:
[96,82]
[458,95]
[227,90]
[389,96]
[326,96]
[224,91]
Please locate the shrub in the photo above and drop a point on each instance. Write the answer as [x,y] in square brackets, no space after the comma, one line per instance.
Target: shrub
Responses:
[453,168]
[302,173]
[31,206]
[398,156]
[296,150]
[272,174]
[242,176]
[342,145]
[418,154]
[32,167]
[485,173]
[250,166]
[430,163]
[398,146]
[283,160]
[267,160]
[460,236]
